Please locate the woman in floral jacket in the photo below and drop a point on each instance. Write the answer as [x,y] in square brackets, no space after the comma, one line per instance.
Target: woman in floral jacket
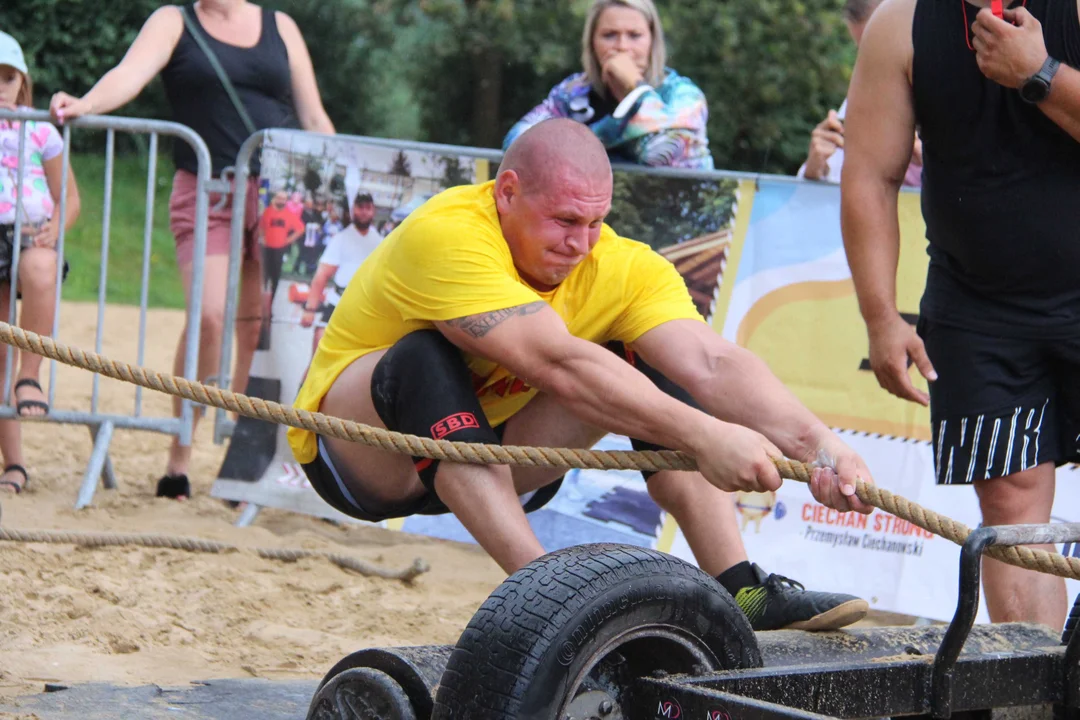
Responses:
[643,111]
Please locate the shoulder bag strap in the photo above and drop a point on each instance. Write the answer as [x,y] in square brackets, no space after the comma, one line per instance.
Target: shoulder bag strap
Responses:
[196,34]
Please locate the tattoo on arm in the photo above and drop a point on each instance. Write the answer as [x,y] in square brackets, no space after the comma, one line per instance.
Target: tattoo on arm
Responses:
[480,325]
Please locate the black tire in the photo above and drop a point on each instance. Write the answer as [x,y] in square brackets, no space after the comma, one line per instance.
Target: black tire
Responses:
[361,694]
[551,621]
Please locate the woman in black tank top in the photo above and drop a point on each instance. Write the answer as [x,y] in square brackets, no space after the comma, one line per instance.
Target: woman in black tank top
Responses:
[267,62]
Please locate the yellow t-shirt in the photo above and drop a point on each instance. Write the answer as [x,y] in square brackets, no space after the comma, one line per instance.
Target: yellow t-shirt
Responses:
[447,260]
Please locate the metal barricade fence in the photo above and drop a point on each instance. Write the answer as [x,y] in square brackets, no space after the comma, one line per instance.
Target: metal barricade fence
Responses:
[102,424]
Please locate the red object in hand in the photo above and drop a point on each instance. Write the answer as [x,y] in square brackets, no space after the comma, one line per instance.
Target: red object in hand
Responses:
[998,8]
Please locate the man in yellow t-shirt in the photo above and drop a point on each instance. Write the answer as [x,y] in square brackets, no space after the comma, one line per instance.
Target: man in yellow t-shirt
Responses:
[490,315]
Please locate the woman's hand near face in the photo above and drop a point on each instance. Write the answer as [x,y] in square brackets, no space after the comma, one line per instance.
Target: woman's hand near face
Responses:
[621,74]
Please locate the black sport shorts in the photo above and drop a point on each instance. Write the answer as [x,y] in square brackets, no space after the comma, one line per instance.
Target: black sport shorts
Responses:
[326,479]
[1000,405]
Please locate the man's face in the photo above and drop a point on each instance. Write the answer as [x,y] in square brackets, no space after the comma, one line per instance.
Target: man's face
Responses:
[551,229]
[279,200]
[363,214]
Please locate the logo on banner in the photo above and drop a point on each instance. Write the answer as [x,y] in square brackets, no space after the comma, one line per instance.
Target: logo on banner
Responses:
[879,532]
[717,715]
[669,709]
[754,507]
[453,423]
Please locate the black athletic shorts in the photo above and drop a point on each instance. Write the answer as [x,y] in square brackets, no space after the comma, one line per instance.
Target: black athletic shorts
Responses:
[1000,405]
[327,481]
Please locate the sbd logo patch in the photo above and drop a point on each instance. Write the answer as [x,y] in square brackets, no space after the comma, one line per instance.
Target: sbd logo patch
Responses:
[453,423]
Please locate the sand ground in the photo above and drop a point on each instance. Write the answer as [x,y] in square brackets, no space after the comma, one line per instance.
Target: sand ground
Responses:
[134,615]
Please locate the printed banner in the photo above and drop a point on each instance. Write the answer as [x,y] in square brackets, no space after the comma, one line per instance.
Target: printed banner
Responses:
[792,302]
[765,265]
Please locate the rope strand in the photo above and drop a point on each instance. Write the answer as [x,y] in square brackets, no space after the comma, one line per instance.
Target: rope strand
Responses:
[481,454]
[84,539]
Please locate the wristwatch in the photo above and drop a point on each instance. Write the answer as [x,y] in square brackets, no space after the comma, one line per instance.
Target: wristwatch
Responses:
[1037,87]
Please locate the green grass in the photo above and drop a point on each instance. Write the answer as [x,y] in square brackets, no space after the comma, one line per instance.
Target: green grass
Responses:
[82,244]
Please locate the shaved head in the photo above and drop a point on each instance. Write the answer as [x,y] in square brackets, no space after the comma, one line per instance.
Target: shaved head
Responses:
[552,193]
[556,150]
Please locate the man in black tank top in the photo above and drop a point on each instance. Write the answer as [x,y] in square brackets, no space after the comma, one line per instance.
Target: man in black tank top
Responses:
[996,100]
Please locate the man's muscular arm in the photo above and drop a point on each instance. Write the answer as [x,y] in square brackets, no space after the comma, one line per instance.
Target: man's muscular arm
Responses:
[734,385]
[1010,51]
[880,125]
[532,342]
[477,326]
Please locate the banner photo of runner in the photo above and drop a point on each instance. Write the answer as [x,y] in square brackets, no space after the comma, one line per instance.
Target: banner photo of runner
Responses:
[325,205]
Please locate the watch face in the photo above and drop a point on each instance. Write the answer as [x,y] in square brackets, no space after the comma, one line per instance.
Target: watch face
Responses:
[1034,90]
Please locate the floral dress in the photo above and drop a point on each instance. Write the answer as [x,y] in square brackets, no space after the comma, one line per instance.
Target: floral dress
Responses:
[43,143]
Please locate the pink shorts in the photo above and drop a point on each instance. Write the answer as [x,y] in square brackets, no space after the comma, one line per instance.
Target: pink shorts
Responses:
[218,224]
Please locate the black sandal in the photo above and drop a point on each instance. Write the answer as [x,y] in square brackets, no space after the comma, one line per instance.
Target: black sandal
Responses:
[20,406]
[8,483]
[174,486]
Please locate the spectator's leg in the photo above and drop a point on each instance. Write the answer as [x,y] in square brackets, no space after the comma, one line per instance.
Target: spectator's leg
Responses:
[249,319]
[215,275]
[1014,594]
[10,430]
[273,258]
[37,282]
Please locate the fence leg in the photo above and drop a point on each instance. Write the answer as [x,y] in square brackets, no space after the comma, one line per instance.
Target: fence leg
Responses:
[99,459]
[248,515]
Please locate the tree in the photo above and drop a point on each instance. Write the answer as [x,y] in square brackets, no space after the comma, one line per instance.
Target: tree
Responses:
[463,71]
[454,173]
[771,69]
[400,164]
[472,64]
[662,211]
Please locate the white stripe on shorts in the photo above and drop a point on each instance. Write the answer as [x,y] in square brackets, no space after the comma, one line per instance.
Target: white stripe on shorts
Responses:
[974,449]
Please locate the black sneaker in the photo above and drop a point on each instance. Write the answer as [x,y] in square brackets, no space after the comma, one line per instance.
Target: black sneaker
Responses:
[777,603]
[174,486]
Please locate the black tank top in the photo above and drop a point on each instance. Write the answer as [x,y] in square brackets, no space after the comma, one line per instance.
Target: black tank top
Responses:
[1001,182]
[260,75]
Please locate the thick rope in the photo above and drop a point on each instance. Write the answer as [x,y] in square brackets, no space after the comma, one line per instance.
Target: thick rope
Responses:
[83,539]
[481,454]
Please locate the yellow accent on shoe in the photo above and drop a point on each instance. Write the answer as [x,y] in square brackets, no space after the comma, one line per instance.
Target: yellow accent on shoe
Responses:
[752,600]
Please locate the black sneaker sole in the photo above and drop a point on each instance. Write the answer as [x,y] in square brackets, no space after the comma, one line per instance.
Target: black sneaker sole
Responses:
[840,616]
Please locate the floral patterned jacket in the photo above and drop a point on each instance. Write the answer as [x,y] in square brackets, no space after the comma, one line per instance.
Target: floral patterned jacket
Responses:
[663,126]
